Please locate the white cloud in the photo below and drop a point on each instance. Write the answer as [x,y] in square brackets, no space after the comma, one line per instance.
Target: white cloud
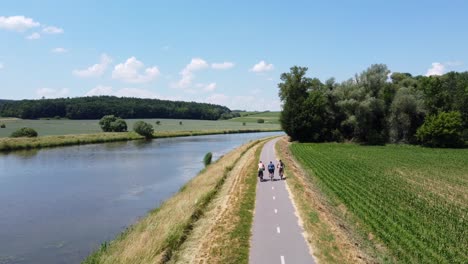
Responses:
[441,68]
[129,72]
[210,87]
[125,92]
[34,36]
[436,69]
[196,64]
[222,66]
[262,66]
[100,90]
[52,93]
[59,50]
[52,30]
[187,74]
[17,23]
[96,69]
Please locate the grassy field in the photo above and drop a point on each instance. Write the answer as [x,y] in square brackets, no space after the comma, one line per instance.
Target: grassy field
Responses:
[67,127]
[156,237]
[252,117]
[409,200]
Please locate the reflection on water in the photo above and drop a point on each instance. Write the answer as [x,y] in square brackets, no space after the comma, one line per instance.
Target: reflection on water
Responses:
[57,205]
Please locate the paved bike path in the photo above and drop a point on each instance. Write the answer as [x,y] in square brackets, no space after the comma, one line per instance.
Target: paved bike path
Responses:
[277,236]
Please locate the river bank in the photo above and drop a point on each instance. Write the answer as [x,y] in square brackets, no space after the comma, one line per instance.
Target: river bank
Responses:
[12,144]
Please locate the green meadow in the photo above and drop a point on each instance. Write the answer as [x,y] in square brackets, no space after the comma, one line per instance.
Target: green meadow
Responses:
[49,127]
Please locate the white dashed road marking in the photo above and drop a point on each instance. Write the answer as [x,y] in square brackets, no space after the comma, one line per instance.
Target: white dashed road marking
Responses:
[276,211]
[282,260]
[274,198]
[278,230]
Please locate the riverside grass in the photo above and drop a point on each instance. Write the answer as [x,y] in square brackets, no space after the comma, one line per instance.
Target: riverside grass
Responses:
[11,144]
[157,236]
[223,234]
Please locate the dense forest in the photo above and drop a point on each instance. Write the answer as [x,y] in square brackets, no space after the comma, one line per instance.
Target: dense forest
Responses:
[376,107]
[98,106]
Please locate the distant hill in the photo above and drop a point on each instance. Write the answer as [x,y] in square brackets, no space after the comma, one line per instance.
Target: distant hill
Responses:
[97,106]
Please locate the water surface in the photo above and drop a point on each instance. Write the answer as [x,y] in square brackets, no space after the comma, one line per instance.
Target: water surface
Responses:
[57,205]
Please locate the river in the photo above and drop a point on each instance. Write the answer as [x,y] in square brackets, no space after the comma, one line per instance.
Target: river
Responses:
[58,205]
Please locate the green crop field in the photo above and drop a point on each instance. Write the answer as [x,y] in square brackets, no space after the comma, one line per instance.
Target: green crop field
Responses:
[252,117]
[413,199]
[65,126]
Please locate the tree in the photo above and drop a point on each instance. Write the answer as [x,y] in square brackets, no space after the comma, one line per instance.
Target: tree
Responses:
[24,132]
[293,92]
[2,126]
[111,123]
[260,121]
[442,130]
[406,115]
[143,129]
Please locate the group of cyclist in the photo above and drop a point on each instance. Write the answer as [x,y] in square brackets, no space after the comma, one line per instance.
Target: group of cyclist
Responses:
[271,169]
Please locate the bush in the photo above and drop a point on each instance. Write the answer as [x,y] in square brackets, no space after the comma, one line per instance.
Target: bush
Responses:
[24,132]
[180,122]
[111,123]
[143,129]
[260,121]
[207,158]
[243,123]
[443,130]
[158,122]
[2,126]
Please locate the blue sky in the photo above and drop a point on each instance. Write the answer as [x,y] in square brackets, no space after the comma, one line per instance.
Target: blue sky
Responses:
[225,52]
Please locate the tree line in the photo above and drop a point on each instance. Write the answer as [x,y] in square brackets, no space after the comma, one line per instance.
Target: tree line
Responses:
[98,106]
[376,107]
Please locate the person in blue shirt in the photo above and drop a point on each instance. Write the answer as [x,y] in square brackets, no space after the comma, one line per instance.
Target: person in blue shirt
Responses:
[271,169]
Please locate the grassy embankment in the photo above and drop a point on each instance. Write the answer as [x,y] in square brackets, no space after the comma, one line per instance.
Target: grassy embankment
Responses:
[10,144]
[398,203]
[223,234]
[157,238]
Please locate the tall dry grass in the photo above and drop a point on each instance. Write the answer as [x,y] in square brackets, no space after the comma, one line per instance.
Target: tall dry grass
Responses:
[223,234]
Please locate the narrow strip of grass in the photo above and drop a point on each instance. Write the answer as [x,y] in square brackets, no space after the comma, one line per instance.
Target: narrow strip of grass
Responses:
[154,238]
[331,236]
[239,243]
[12,144]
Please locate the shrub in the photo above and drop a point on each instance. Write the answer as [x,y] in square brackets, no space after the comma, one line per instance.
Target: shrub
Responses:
[24,132]
[158,122]
[111,123]
[207,158]
[442,130]
[144,129]
[118,125]
[180,122]
[243,123]
[2,126]
[260,121]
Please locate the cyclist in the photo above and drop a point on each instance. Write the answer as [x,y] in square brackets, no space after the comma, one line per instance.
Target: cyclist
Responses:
[280,166]
[271,170]
[261,168]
